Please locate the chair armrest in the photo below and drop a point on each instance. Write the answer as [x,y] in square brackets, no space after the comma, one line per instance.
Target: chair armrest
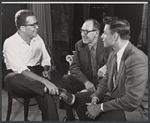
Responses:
[69,58]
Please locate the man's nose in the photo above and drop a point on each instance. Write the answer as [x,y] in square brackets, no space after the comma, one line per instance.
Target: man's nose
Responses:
[36,26]
[102,36]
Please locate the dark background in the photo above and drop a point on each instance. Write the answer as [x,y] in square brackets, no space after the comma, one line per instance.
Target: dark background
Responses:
[131,12]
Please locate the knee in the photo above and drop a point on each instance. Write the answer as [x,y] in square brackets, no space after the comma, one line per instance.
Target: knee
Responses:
[10,78]
[66,77]
[82,99]
[66,80]
[84,96]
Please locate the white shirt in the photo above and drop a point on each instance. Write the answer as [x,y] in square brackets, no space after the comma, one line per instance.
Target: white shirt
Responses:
[119,55]
[18,55]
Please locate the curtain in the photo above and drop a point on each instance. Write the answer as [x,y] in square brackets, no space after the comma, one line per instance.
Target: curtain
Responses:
[86,11]
[142,41]
[43,15]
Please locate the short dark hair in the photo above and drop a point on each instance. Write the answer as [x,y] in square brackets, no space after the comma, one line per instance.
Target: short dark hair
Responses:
[20,17]
[121,26]
[96,24]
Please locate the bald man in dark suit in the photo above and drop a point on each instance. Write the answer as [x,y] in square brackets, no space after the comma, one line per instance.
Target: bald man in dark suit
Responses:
[90,55]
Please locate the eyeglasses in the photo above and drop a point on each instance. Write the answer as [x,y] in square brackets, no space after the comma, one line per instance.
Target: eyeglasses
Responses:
[86,31]
[33,25]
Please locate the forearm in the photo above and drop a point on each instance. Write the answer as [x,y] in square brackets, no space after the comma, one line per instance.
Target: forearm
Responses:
[52,89]
[32,75]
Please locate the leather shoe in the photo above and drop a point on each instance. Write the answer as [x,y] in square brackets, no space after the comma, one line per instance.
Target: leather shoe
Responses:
[66,97]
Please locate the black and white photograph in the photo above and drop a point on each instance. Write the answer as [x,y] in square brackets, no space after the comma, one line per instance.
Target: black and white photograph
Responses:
[74,61]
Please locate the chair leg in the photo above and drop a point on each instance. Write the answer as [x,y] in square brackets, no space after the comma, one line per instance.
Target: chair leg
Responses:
[9,107]
[26,108]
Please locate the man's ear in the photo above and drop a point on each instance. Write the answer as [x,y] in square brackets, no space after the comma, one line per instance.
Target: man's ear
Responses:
[116,35]
[22,28]
[98,32]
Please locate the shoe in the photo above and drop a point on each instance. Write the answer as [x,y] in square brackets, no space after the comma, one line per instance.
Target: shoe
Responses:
[68,119]
[66,97]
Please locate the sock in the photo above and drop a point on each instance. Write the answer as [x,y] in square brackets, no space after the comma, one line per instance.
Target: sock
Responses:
[46,90]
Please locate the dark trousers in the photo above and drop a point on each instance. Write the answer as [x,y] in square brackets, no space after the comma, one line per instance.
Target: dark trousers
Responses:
[72,85]
[22,86]
[81,109]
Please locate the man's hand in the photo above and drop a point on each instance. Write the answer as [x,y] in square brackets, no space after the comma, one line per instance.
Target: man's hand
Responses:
[93,111]
[93,102]
[47,74]
[89,105]
[101,72]
[89,86]
[51,87]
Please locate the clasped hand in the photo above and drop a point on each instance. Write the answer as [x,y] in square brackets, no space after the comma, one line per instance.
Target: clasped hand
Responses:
[89,86]
[93,110]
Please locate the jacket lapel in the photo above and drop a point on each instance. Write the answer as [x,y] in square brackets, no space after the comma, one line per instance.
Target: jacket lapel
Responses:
[111,72]
[85,55]
[122,63]
[99,53]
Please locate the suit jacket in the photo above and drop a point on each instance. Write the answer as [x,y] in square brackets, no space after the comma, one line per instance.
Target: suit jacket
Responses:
[81,67]
[131,91]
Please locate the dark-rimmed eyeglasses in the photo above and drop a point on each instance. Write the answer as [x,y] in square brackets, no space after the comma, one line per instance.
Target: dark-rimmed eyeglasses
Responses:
[33,25]
[87,31]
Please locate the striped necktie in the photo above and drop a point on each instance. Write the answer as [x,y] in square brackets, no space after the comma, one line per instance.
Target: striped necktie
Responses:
[115,70]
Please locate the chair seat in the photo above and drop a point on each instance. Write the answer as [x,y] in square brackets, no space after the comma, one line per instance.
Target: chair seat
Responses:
[21,96]
[25,101]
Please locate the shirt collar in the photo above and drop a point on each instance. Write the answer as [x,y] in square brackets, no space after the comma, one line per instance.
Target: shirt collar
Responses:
[121,51]
[20,40]
[94,46]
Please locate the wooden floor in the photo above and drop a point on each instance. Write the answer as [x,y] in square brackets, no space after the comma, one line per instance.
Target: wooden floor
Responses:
[34,112]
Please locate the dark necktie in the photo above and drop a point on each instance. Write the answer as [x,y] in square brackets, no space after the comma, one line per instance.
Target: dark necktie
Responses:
[115,70]
[93,60]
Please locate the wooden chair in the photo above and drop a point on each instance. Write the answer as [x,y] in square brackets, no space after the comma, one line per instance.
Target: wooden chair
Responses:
[23,100]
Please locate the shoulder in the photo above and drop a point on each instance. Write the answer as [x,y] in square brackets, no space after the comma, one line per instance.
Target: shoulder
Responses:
[136,55]
[79,43]
[12,40]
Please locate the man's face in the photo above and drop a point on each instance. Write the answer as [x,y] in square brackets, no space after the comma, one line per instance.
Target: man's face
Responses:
[107,36]
[88,34]
[31,27]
